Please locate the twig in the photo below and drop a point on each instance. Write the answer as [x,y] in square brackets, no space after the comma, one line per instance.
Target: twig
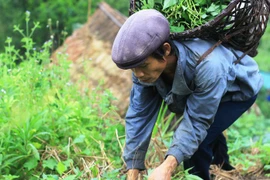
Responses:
[117,137]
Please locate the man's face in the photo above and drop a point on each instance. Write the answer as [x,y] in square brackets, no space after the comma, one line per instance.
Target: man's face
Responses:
[150,70]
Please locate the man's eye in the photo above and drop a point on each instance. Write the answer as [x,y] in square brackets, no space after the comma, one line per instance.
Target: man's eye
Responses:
[143,65]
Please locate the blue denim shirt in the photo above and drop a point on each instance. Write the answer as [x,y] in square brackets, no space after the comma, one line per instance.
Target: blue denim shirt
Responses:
[196,92]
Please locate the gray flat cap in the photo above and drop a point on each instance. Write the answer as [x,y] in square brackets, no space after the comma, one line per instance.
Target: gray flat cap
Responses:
[141,34]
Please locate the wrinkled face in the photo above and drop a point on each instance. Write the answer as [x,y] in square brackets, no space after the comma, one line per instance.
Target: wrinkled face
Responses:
[150,70]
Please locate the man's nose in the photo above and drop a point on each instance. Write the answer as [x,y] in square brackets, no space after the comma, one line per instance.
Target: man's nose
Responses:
[137,72]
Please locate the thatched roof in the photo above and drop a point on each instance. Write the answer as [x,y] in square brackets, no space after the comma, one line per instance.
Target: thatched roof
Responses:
[106,22]
[89,47]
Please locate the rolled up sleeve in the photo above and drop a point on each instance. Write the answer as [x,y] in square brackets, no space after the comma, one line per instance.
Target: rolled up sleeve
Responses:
[140,120]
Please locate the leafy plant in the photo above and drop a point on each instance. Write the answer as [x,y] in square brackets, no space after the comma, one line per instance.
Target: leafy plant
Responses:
[186,14]
[246,141]
[50,129]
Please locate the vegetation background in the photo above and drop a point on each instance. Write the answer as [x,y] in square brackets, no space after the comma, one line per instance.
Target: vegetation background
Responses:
[51,130]
[58,18]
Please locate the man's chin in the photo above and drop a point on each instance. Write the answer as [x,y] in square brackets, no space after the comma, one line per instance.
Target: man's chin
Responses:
[149,82]
[145,81]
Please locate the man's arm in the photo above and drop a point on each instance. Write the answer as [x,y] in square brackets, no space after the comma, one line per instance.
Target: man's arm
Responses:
[199,113]
[140,120]
[200,110]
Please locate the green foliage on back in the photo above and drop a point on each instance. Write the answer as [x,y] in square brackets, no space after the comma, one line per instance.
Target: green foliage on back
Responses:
[186,14]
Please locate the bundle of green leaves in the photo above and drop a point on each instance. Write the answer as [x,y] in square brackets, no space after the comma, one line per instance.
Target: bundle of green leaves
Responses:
[186,14]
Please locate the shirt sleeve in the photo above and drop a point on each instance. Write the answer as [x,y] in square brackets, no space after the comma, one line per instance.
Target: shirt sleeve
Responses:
[200,110]
[140,120]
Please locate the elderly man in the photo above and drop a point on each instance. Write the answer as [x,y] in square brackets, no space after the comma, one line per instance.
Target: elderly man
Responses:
[210,94]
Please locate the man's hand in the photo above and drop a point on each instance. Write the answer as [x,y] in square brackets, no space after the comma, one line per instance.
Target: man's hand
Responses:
[165,170]
[132,174]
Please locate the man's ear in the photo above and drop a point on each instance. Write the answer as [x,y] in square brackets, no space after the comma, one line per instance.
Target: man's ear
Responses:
[166,49]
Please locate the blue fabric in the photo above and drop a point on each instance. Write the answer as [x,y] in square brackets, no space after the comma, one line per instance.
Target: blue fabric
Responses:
[214,145]
[196,92]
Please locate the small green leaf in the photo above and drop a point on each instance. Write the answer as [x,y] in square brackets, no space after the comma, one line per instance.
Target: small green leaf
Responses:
[35,151]
[148,4]
[215,13]
[37,145]
[184,7]
[10,177]
[168,3]
[177,29]
[79,139]
[267,167]
[8,40]
[50,177]
[193,177]
[71,177]
[31,164]
[61,168]
[204,16]
[212,8]
[94,170]
[200,2]
[68,162]
[151,3]
[50,163]
[223,7]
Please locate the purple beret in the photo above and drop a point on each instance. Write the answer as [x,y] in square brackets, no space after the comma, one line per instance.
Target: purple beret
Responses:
[141,34]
